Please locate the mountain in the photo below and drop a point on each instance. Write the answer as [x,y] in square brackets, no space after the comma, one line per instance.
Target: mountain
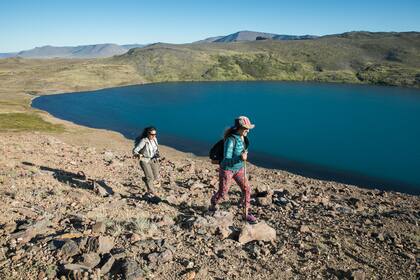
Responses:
[209,40]
[6,55]
[253,36]
[87,51]
[358,57]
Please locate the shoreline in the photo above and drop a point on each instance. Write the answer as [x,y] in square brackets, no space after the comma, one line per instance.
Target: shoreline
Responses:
[294,170]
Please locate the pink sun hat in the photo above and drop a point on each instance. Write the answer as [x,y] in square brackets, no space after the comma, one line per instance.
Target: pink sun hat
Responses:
[243,121]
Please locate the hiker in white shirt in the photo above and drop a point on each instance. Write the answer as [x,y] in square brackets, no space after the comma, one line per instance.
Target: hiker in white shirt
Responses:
[146,147]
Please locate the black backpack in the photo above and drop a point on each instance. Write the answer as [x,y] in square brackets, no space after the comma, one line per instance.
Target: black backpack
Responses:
[217,151]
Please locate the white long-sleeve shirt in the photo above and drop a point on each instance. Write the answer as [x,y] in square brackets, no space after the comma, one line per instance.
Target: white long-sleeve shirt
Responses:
[148,147]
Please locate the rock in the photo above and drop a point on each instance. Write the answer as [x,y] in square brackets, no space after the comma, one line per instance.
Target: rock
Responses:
[343,209]
[102,189]
[70,249]
[90,260]
[304,229]
[262,190]
[190,275]
[224,219]
[358,275]
[197,186]
[264,201]
[165,256]
[41,275]
[160,258]
[105,244]
[220,222]
[214,182]
[75,267]
[166,221]
[379,236]
[134,237]
[172,199]
[108,157]
[107,265]
[3,253]
[99,227]
[132,270]
[356,203]
[153,257]
[10,227]
[25,236]
[281,201]
[260,231]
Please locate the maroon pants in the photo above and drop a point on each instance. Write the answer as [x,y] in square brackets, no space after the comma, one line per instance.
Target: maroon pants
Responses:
[225,180]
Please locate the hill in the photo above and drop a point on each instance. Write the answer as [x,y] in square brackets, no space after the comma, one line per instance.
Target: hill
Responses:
[241,36]
[85,51]
[75,207]
[356,57]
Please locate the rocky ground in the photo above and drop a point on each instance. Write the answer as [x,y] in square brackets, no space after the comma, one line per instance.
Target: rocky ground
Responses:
[74,209]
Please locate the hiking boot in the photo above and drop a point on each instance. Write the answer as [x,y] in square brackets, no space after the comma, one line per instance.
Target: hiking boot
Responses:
[213,208]
[251,219]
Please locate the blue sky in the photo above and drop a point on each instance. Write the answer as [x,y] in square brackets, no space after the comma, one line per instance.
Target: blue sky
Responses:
[31,23]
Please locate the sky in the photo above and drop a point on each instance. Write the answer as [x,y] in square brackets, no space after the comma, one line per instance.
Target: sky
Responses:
[25,24]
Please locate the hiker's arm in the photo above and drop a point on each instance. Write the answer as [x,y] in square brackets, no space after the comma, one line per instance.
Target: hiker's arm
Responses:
[229,158]
[139,147]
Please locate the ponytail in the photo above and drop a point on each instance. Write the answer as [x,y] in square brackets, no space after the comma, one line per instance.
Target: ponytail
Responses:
[229,132]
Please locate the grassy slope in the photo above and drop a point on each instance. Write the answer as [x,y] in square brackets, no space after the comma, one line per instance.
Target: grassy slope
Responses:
[26,122]
[22,79]
[391,59]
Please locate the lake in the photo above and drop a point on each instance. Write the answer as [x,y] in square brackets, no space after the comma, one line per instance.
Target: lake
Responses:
[357,134]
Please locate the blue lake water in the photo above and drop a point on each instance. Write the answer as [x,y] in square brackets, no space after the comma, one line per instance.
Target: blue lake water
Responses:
[363,135]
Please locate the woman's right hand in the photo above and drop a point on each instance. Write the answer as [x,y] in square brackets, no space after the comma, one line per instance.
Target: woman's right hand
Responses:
[244,155]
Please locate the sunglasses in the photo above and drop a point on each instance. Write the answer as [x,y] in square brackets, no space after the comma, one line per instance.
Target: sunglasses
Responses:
[152,134]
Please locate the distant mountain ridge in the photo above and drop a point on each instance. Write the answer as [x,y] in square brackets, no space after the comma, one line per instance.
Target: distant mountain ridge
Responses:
[6,55]
[241,36]
[85,51]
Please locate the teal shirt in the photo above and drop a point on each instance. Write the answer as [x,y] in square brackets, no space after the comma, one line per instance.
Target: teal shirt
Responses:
[233,149]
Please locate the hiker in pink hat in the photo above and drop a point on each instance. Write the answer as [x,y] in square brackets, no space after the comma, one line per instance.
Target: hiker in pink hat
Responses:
[233,165]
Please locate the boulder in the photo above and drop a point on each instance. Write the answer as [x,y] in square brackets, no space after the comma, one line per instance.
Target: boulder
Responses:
[70,248]
[260,231]
[109,262]
[26,235]
[108,157]
[220,222]
[90,260]
[105,244]
[132,270]
[99,227]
